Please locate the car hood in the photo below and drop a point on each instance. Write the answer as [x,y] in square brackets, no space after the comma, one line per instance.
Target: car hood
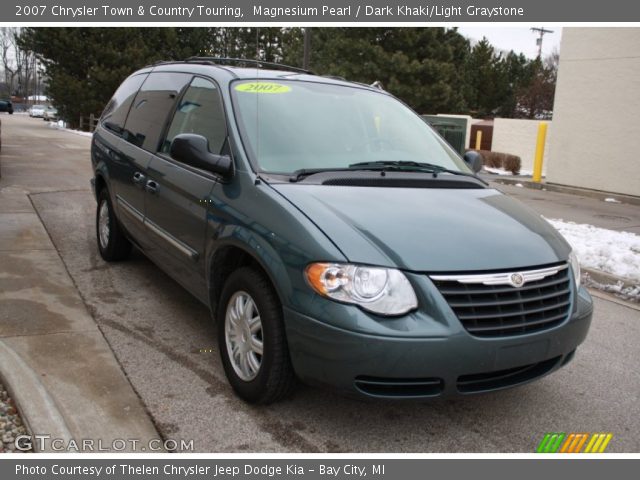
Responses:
[427,229]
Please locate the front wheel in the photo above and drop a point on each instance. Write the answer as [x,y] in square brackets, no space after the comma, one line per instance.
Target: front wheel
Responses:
[252,339]
[112,243]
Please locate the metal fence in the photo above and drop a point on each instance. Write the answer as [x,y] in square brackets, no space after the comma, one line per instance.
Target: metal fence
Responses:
[88,123]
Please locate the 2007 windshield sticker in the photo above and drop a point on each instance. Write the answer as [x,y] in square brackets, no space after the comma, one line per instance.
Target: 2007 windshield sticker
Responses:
[263,87]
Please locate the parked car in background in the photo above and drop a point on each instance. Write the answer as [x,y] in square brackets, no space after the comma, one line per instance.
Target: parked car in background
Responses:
[50,114]
[6,106]
[335,236]
[37,111]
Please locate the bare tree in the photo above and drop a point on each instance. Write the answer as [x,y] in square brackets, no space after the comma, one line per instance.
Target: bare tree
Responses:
[19,66]
[551,63]
[8,61]
[535,100]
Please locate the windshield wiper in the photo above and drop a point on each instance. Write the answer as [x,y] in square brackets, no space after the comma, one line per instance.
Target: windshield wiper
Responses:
[408,165]
[383,166]
[298,175]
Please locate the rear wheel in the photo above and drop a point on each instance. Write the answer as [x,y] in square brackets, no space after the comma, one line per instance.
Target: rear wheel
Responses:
[112,243]
[252,339]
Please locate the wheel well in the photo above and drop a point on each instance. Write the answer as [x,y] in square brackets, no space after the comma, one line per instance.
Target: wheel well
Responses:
[100,184]
[225,261]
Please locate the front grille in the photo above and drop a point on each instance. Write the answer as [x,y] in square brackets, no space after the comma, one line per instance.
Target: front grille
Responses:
[498,310]
[399,387]
[486,382]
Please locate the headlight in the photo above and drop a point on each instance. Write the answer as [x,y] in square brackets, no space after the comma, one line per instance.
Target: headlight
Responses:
[383,291]
[575,266]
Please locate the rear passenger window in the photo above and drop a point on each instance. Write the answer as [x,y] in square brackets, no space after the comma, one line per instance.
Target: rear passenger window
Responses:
[200,111]
[152,107]
[115,113]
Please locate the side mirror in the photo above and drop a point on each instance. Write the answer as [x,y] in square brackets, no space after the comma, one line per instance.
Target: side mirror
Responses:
[474,160]
[193,150]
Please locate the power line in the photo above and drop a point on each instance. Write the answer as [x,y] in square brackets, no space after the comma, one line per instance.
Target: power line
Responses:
[541,31]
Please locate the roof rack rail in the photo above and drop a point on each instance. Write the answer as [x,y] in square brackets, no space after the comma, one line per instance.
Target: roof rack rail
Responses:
[257,63]
[334,77]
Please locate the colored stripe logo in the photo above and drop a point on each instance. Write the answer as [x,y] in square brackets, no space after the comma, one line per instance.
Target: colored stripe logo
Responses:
[574,443]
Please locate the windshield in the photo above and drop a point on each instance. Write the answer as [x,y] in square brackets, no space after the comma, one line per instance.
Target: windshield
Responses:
[289,126]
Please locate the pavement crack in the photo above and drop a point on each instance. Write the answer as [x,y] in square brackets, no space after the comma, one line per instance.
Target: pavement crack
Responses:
[281,432]
[47,334]
[44,192]
[27,249]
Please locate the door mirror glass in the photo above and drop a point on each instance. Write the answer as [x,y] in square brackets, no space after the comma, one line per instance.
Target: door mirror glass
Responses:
[474,160]
[192,149]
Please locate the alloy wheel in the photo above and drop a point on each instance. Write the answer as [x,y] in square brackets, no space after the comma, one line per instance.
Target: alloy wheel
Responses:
[243,335]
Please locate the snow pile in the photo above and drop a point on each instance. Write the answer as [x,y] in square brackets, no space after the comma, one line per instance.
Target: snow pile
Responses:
[610,251]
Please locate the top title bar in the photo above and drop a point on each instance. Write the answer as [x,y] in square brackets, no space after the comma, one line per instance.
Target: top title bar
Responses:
[314,11]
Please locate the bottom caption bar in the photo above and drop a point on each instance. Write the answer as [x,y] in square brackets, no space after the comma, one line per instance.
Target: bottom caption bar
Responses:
[309,469]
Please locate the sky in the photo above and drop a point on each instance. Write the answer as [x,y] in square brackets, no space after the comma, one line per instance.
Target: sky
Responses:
[519,39]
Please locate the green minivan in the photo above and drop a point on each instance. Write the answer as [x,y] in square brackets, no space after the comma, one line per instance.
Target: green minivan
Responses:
[335,237]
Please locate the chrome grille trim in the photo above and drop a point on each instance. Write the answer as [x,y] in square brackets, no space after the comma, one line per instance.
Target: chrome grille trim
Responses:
[501,278]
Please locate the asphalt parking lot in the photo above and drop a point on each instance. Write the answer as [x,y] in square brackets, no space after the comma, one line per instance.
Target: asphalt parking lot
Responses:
[165,342]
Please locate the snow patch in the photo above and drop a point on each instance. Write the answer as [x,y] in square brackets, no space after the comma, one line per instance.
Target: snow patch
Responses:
[630,293]
[497,171]
[610,251]
[60,125]
[502,171]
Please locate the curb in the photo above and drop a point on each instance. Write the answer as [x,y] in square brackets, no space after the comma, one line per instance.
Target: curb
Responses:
[556,187]
[618,286]
[38,410]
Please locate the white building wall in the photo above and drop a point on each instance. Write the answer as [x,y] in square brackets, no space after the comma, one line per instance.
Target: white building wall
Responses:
[519,137]
[595,140]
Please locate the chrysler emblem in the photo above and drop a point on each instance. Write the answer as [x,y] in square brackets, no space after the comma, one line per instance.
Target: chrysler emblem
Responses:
[516,280]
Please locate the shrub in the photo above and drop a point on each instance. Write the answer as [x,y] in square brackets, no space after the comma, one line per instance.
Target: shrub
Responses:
[506,161]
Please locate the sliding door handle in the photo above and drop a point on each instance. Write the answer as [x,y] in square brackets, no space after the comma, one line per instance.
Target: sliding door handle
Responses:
[138,177]
[151,187]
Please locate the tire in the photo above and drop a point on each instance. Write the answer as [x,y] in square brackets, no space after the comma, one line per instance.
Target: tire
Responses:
[113,245]
[274,379]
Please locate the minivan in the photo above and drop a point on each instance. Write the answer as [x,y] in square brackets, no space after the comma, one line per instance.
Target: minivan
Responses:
[6,106]
[335,237]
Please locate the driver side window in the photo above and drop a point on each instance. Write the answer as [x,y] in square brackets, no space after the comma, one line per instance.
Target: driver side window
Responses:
[200,112]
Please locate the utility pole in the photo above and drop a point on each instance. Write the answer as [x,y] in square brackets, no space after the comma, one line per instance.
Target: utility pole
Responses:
[541,31]
[307,48]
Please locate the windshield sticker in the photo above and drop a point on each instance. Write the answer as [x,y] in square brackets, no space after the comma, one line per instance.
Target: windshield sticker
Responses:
[263,87]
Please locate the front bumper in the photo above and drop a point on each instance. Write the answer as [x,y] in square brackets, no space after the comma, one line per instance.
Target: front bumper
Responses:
[447,363]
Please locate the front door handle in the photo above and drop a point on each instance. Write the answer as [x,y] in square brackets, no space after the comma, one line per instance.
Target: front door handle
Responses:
[138,177]
[151,186]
